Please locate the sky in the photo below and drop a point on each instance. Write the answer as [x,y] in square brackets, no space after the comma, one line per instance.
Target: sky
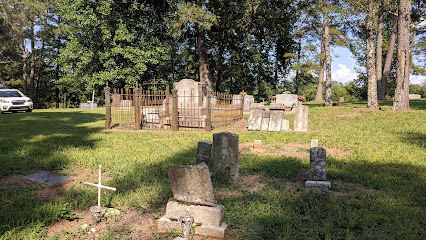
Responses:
[343,67]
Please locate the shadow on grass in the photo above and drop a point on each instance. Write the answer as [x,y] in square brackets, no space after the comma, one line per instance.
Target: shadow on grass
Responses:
[415,138]
[414,104]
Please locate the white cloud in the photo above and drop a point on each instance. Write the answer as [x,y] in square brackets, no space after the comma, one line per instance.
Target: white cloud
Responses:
[343,74]
[416,79]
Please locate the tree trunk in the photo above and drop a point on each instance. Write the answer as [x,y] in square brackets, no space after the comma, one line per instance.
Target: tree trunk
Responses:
[220,63]
[32,67]
[299,50]
[388,61]
[372,101]
[401,101]
[24,68]
[328,84]
[379,55]
[320,89]
[203,59]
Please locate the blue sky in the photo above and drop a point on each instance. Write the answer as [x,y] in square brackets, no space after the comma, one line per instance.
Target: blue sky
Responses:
[343,67]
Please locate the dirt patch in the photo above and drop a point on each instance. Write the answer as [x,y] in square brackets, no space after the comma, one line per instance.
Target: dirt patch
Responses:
[349,115]
[296,150]
[13,182]
[246,184]
[367,109]
[240,125]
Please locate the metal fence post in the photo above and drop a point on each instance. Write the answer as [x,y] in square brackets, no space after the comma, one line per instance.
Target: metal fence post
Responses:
[107,107]
[175,114]
[242,106]
[137,108]
[209,113]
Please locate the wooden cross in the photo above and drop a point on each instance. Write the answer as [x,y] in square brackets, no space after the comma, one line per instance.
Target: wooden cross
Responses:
[99,186]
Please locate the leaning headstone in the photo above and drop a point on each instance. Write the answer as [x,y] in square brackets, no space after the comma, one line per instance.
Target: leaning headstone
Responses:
[285,125]
[225,154]
[301,118]
[248,102]
[204,152]
[276,118]
[50,179]
[341,99]
[318,170]
[265,120]
[414,96]
[191,183]
[206,215]
[255,121]
[314,143]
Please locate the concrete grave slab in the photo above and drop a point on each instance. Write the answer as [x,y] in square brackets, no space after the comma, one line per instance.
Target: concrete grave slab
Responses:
[50,179]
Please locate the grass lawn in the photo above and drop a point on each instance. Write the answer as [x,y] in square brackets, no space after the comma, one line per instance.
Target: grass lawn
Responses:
[378,184]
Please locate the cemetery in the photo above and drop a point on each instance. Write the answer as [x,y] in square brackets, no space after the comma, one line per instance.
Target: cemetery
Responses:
[161,184]
[209,120]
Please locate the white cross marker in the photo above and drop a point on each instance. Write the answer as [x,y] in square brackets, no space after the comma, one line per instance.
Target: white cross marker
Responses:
[99,186]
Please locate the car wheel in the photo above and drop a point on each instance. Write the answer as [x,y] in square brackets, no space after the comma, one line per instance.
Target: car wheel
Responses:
[1,112]
[29,110]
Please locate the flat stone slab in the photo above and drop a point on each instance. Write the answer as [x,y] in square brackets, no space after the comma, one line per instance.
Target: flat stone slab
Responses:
[203,215]
[166,225]
[47,178]
[318,184]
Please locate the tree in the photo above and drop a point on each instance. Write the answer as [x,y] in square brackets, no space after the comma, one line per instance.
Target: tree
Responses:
[328,82]
[372,101]
[381,91]
[401,101]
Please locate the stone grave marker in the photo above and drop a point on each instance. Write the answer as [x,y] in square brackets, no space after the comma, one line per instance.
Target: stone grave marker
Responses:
[204,152]
[285,125]
[88,105]
[237,99]
[248,102]
[276,118]
[47,178]
[314,143]
[301,118]
[289,100]
[225,154]
[255,121]
[265,120]
[192,91]
[318,170]
[193,198]
[341,99]
[414,96]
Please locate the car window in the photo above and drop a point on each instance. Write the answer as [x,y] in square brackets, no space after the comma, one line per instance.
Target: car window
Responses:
[10,94]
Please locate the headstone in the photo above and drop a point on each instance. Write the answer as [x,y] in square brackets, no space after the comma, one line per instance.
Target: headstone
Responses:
[191,183]
[414,96]
[50,179]
[341,99]
[189,93]
[88,105]
[151,115]
[265,120]
[115,100]
[318,170]
[314,143]
[237,99]
[204,152]
[285,125]
[276,118]
[248,102]
[255,120]
[301,118]
[225,154]
[193,198]
[289,100]
[318,164]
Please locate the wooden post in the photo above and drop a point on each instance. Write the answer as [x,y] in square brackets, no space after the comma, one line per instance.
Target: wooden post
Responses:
[175,114]
[242,106]
[108,107]
[209,113]
[136,102]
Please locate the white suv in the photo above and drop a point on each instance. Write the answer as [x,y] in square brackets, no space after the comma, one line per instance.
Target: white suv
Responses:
[13,100]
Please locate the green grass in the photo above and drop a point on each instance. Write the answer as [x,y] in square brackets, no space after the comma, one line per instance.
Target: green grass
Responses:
[383,177]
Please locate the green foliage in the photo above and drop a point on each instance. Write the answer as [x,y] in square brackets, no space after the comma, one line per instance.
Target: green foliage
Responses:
[418,89]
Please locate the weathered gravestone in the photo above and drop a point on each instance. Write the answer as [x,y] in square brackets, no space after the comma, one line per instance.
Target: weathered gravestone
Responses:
[301,118]
[276,118]
[318,170]
[189,93]
[285,125]
[237,99]
[204,152]
[248,102]
[88,105]
[289,100]
[265,120]
[255,121]
[314,143]
[193,196]
[225,154]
